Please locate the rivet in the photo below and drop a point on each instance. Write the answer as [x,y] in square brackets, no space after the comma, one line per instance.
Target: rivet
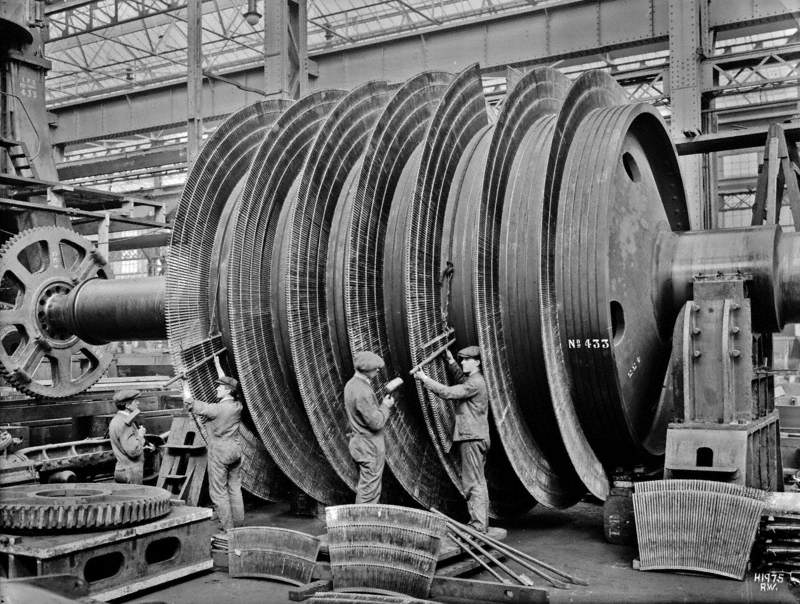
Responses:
[697,354]
[736,353]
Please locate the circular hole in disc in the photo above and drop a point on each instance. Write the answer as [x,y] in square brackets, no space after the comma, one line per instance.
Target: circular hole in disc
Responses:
[617,321]
[631,168]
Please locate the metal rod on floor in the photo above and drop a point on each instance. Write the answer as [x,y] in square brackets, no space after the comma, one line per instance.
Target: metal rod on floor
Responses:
[454,536]
[521,579]
[510,552]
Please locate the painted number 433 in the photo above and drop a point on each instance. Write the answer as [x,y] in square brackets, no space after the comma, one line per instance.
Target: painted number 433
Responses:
[589,343]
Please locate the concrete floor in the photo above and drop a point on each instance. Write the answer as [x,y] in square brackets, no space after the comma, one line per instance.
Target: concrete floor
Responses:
[570,539]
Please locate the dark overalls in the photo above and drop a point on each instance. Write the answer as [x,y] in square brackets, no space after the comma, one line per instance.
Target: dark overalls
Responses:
[367,418]
[471,435]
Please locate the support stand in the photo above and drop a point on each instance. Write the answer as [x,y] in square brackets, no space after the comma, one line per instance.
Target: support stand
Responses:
[726,427]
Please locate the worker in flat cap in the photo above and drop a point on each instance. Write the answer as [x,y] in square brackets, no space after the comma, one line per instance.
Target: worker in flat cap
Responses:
[222,419]
[367,418]
[127,438]
[471,431]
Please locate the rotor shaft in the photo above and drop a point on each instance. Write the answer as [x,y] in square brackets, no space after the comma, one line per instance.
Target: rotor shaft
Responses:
[100,311]
[768,257]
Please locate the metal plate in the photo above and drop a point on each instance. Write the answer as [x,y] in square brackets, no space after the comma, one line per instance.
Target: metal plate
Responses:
[383,547]
[196,309]
[268,552]
[697,530]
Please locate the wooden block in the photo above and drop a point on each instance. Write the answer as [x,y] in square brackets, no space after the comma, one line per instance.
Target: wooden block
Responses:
[304,592]
[220,559]
[465,566]
[451,589]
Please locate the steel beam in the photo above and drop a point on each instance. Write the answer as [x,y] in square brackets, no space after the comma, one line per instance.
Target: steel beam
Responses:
[156,157]
[569,29]
[735,139]
[94,216]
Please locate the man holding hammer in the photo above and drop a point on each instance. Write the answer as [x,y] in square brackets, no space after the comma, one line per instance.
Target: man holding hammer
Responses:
[471,431]
[367,417]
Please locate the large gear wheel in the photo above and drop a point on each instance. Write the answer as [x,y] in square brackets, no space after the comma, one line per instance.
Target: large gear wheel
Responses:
[80,506]
[35,266]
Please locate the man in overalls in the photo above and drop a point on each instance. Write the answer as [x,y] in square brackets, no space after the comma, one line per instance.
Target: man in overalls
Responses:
[222,420]
[367,418]
[127,438]
[471,431]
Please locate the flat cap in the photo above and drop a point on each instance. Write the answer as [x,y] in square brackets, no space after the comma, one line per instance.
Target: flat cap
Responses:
[228,381]
[123,396]
[470,352]
[367,361]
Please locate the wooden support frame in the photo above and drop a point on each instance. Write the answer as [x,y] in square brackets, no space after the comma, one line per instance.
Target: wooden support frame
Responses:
[780,170]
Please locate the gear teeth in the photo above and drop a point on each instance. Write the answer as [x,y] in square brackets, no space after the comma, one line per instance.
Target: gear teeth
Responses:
[17,376]
[108,506]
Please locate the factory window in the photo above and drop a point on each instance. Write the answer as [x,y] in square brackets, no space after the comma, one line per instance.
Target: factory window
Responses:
[740,165]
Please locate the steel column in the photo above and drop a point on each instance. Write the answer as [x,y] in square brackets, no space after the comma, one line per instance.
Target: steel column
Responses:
[688,45]
[285,53]
[194,79]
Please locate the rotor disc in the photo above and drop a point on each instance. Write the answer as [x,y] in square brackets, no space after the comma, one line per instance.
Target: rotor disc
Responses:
[460,243]
[370,321]
[196,312]
[206,202]
[592,90]
[319,349]
[261,352]
[457,119]
[506,281]
[624,188]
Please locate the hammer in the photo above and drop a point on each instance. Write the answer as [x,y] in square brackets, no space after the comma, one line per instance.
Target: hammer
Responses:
[392,386]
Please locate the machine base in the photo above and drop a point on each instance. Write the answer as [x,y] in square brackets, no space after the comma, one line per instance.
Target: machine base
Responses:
[746,454]
[118,562]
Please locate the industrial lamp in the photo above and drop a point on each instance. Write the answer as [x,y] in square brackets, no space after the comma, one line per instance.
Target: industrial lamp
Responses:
[251,15]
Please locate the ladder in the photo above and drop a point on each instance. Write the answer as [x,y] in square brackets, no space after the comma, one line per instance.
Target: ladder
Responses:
[20,159]
[184,460]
